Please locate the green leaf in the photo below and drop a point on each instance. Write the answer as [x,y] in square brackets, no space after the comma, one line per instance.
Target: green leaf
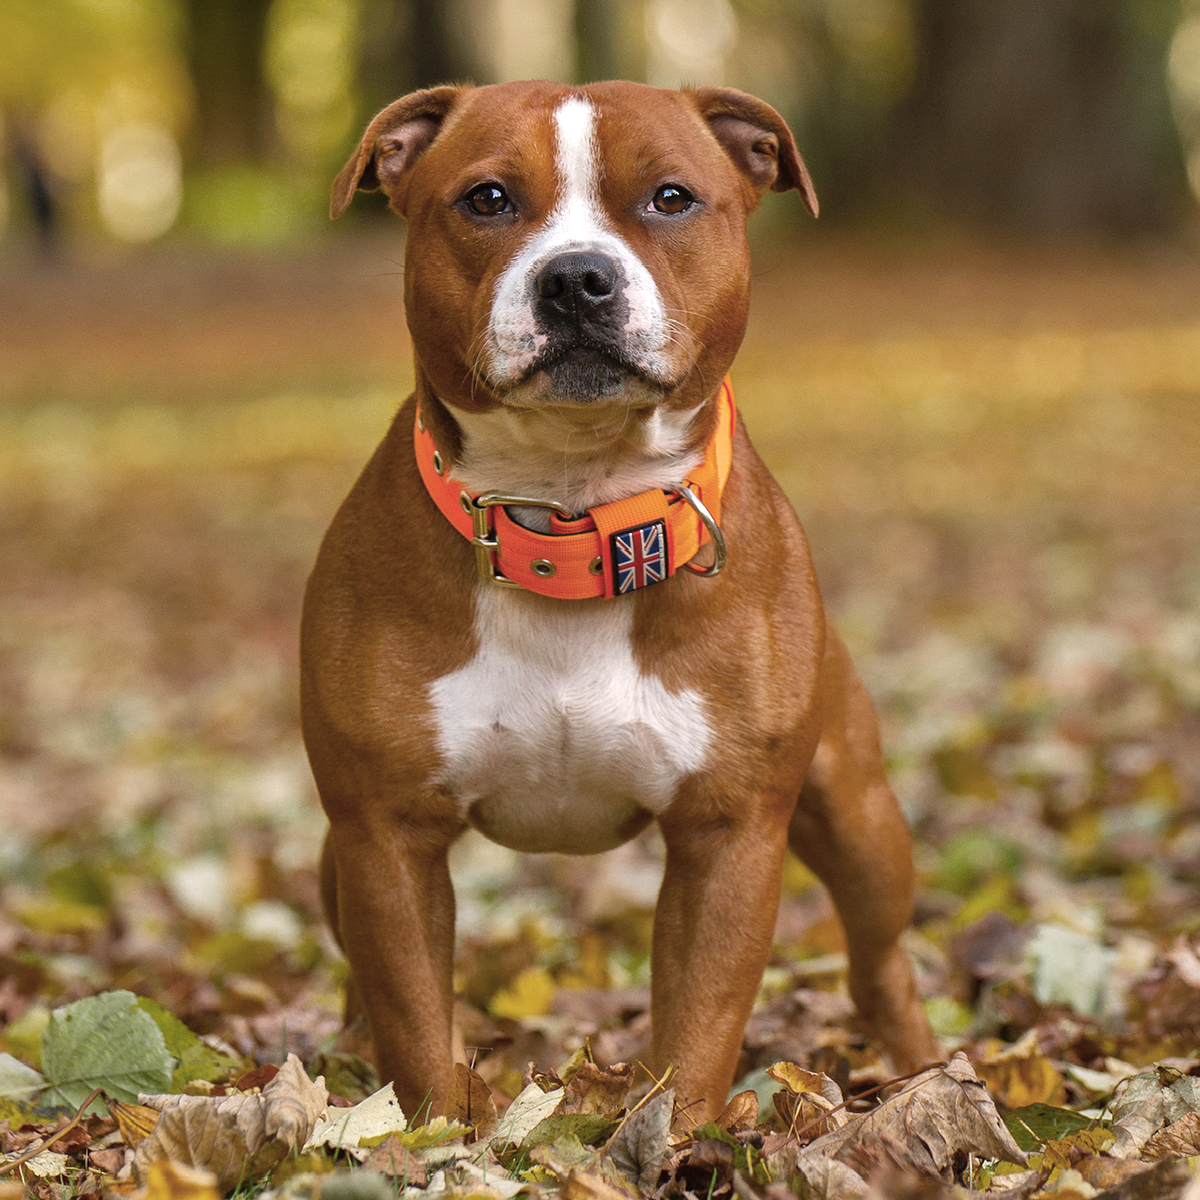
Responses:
[590,1128]
[104,1041]
[1038,1123]
[17,1081]
[196,1060]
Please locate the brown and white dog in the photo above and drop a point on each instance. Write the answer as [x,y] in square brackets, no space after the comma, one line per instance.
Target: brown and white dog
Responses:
[522,618]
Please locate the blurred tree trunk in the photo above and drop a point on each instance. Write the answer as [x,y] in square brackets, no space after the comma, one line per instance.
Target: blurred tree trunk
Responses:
[596,40]
[234,105]
[407,44]
[1049,115]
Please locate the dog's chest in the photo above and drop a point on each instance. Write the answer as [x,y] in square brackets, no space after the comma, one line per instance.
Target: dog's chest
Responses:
[552,737]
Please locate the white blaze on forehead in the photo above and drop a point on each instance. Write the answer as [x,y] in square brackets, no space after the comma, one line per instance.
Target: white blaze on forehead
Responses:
[575,157]
[578,222]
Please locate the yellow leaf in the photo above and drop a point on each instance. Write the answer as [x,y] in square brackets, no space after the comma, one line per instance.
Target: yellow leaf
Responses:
[1021,1074]
[135,1121]
[167,1180]
[528,995]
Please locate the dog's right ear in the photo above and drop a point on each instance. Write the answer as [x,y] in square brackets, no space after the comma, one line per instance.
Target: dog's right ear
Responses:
[394,140]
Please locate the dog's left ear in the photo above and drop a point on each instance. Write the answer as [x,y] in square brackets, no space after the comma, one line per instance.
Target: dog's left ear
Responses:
[394,140]
[758,140]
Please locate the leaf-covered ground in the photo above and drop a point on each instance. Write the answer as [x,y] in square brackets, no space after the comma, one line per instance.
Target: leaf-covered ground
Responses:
[996,458]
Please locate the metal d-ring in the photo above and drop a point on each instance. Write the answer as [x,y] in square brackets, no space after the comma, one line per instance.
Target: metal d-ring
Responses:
[714,531]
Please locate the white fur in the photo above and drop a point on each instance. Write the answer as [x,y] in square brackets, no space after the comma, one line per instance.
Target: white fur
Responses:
[578,222]
[578,458]
[552,737]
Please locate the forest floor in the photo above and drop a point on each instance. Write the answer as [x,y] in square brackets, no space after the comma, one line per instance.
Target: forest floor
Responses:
[996,455]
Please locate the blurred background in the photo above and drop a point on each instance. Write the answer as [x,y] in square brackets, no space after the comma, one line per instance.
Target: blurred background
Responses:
[977,377]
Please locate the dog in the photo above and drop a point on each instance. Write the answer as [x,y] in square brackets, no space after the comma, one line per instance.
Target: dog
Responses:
[565,598]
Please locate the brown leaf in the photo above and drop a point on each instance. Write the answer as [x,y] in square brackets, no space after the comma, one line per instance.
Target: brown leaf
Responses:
[238,1137]
[109,1161]
[135,1121]
[470,1101]
[600,1090]
[807,1103]
[1103,1172]
[941,1114]
[586,1185]
[1178,1140]
[392,1158]
[1165,1181]
[639,1146]
[1020,1075]
[166,1180]
[740,1113]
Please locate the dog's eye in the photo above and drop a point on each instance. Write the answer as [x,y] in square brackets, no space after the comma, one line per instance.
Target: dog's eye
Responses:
[672,198]
[488,200]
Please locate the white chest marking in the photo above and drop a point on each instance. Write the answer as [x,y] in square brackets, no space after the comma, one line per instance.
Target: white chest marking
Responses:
[578,222]
[552,737]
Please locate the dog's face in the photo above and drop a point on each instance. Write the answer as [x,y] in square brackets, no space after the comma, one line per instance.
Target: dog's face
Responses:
[575,246]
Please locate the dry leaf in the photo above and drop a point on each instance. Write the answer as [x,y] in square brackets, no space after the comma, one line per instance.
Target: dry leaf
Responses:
[1020,1075]
[47,1165]
[238,1137]
[1181,1139]
[1148,1102]
[944,1113]
[586,1185]
[741,1113]
[135,1121]
[639,1146]
[373,1119]
[166,1180]
[394,1159]
[806,1105]
[470,1101]
[600,1090]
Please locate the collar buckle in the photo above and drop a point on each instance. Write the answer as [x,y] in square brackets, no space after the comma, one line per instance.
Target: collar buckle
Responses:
[486,542]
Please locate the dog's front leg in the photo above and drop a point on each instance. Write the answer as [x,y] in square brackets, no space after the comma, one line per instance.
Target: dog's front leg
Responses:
[712,936]
[395,920]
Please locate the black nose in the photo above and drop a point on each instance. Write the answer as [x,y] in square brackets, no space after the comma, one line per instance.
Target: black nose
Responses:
[577,285]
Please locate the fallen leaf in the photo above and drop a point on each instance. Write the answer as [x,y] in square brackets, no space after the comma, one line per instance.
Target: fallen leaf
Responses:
[807,1103]
[392,1158]
[105,1041]
[238,1137]
[528,995]
[942,1114]
[1020,1074]
[530,1107]
[135,1121]
[1148,1102]
[17,1081]
[47,1165]
[1037,1124]
[1069,968]
[1180,1139]
[167,1180]
[741,1113]
[639,1146]
[586,1185]
[375,1119]
[470,1101]
[601,1090]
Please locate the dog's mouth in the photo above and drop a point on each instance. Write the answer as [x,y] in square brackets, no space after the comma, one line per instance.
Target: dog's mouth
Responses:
[584,372]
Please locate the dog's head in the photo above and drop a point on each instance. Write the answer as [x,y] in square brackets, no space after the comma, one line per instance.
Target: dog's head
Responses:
[575,246]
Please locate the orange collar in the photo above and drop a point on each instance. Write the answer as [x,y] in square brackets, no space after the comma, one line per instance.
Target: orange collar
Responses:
[613,548]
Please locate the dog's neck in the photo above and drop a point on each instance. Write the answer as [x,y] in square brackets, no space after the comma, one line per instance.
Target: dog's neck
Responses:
[577,456]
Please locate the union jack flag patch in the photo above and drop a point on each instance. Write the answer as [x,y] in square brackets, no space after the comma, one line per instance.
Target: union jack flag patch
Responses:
[639,556]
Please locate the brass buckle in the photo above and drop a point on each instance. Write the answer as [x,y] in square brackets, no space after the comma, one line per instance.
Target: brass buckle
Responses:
[714,531]
[486,542]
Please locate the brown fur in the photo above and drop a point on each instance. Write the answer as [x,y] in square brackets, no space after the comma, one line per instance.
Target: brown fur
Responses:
[390,606]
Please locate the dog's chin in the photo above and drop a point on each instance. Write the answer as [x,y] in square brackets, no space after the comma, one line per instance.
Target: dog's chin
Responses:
[584,377]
